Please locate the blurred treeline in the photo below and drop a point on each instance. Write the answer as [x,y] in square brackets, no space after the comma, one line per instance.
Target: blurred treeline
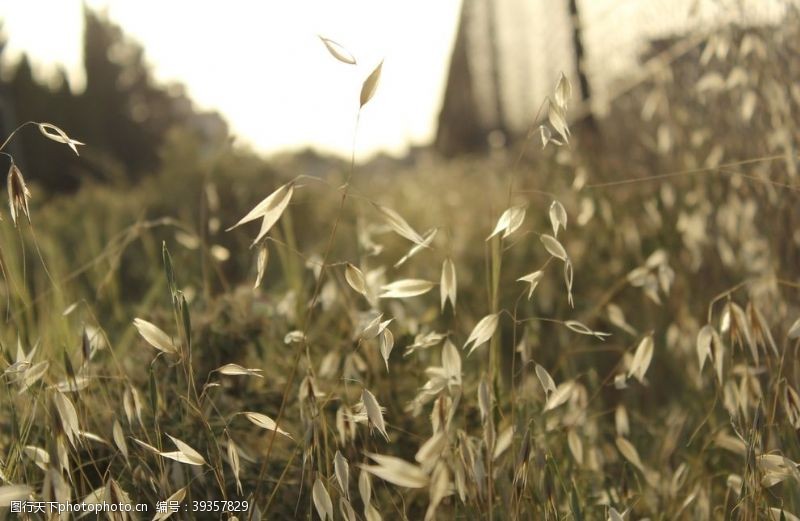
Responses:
[122,112]
[154,168]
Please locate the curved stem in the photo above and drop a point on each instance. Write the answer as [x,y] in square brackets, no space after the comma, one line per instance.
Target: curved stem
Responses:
[315,296]
[11,136]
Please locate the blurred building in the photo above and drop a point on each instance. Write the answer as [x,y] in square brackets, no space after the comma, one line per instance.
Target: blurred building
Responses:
[509,54]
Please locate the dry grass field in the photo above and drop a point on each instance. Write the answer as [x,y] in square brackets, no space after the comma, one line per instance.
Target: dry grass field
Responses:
[575,327]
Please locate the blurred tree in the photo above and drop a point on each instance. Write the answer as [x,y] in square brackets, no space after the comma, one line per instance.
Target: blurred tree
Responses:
[122,114]
[40,159]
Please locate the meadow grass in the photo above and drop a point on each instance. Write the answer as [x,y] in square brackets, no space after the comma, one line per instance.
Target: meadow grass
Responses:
[547,332]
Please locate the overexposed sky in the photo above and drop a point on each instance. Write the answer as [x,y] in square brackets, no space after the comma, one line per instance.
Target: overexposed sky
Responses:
[262,66]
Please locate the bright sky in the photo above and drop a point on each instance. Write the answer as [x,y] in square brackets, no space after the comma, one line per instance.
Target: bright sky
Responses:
[262,66]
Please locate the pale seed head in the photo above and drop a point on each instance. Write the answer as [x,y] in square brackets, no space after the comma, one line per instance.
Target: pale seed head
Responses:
[18,193]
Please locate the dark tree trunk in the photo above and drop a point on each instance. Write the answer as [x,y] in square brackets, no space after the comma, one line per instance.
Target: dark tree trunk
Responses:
[588,123]
[577,43]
